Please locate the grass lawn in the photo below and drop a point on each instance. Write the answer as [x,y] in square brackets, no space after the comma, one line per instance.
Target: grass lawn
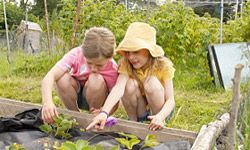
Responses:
[194,106]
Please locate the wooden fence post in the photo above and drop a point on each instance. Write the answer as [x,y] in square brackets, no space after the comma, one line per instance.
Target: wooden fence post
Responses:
[7,33]
[47,25]
[78,11]
[231,130]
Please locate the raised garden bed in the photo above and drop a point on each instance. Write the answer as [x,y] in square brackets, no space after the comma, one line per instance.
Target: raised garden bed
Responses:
[9,108]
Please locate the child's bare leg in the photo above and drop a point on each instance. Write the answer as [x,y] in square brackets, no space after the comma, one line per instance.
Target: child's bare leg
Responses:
[154,93]
[67,88]
[133,101]
[96,91]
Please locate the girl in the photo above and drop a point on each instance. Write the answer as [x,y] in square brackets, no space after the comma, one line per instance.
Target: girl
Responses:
[144,83]
[81,72]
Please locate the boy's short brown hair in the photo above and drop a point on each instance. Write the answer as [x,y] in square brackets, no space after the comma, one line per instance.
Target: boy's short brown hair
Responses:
[98,41]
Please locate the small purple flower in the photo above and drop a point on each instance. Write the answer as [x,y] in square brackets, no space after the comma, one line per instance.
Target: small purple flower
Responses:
[111,121]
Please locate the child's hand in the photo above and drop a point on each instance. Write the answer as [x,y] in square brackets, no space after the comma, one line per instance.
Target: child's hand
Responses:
[155,123]
[99,122]
[94,111]
[48,112]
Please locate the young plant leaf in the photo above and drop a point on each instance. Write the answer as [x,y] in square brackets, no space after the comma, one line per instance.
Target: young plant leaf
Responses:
[150,141]
[68,145]
[123,141]
[128,143]
[58,119]
[65,124]
[133,142]
[80,144]
[46,128]
[128,135]
[65,135]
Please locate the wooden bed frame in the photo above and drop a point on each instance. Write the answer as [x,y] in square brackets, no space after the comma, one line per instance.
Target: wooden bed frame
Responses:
[8,108]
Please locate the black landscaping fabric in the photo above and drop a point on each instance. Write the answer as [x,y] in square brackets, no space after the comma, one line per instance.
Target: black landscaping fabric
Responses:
[23,129]
[29,119]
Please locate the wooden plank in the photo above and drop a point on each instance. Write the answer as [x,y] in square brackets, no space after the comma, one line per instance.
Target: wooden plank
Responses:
[11,107]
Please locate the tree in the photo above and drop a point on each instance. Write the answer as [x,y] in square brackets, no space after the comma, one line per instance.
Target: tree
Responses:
[39,10]
[78,10]
[14,14]
[24,4]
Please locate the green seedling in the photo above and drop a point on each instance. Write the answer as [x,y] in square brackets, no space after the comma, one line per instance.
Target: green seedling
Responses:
[15,146]
[128,135]
[129,141]
[61,127]
[79,145]
[150,141]
[46,128]
[83,145]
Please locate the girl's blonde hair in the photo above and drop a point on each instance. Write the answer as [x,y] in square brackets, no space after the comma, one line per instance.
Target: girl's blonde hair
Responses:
[98,41]
[155,63]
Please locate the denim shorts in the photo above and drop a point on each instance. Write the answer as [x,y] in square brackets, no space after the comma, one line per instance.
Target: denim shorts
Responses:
[144,117]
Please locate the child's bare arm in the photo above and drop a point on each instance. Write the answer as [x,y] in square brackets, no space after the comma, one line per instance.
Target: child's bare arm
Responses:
[49,109]
[112,99]
[157,121]
[169,103]
[116,93]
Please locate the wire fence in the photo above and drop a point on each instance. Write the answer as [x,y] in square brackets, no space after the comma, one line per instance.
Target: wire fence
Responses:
[26,43]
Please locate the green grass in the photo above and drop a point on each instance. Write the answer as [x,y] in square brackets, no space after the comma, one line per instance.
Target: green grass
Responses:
[25,89]
[196,107]
[244,113]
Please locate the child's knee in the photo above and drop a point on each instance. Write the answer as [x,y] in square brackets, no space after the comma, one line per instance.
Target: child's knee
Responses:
[130,93]
[152,84]
[65,82]
[96,82]
[131,87]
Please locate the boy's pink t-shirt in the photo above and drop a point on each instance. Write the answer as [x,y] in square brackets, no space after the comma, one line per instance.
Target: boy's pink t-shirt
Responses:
[75,62]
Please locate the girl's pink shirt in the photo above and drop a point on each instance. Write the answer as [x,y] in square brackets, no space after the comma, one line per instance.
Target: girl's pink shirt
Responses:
[75,62]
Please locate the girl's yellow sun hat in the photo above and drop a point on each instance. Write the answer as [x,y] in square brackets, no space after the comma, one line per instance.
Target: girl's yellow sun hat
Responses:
[140,36]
